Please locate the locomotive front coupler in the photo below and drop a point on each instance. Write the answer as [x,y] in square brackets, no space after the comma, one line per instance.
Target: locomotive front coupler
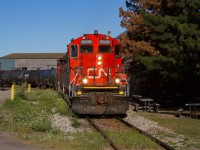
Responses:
[99,98]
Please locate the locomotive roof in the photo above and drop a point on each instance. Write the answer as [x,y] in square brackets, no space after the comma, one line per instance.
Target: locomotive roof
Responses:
[33,56]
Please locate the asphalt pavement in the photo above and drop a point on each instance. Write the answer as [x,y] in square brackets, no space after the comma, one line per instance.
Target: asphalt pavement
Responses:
[8,142]
[4,94]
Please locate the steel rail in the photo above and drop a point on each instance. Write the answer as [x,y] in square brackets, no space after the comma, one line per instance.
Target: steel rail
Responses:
[162,144]
[103,134]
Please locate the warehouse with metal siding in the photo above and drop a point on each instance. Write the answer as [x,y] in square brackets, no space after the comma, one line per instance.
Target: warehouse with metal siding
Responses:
[30,61]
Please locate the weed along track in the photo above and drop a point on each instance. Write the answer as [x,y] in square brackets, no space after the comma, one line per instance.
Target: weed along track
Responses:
[162,144]
[103,134]
[120,136]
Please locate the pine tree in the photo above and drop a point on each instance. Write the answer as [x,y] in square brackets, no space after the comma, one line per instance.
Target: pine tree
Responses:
[163,38]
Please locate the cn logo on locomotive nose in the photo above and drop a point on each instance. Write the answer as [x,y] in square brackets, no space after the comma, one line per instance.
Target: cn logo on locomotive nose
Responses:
[91,71]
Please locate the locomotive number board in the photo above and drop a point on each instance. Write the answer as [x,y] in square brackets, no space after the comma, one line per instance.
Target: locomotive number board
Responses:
[104,42]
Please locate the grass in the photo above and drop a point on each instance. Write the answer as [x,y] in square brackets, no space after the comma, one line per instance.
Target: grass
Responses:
[188,127]
[73,141]
[29,117]
[75,123]
[89,141]
[129,139]
[33,111]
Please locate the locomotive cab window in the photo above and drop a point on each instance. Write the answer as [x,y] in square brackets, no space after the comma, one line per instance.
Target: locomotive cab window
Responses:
[117,50]
[74,51]
[104,49]
[86,49]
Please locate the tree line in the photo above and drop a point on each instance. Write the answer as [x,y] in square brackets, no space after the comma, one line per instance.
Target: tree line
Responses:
[163,40]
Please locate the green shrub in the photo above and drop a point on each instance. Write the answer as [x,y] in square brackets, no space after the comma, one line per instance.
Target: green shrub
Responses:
[75,122]
[62,107]
[41,123]
[20,90]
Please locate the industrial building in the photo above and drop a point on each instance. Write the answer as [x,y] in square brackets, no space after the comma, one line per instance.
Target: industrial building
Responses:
[29,61]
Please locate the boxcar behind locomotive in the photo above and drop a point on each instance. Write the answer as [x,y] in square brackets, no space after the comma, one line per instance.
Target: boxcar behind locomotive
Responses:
[91,75]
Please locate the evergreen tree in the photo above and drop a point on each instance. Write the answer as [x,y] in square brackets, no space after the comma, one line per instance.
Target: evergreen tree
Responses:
[163,38]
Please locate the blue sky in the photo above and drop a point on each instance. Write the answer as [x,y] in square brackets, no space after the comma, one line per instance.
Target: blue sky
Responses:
[34,26]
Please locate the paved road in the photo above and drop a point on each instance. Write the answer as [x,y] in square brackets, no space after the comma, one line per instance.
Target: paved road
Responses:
[7,141]
[4,93]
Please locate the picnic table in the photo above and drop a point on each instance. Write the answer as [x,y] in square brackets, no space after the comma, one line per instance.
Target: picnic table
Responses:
[192,108]
[145,104]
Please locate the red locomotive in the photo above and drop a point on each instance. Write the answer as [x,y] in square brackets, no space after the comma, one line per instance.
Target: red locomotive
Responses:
[91,75]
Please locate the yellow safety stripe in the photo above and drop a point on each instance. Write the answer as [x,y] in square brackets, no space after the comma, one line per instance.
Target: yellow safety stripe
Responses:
[105,87]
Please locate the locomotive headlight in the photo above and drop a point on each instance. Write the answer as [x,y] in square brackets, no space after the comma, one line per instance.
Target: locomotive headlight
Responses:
[99,63]
[85,81]
[117,81]
[99,57]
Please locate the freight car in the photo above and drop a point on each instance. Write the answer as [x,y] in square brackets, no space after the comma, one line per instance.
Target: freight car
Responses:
[8,77]
[37,78]
[91,75]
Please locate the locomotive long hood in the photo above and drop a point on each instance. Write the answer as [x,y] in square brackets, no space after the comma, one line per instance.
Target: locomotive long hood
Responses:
[91,60]
[98,68]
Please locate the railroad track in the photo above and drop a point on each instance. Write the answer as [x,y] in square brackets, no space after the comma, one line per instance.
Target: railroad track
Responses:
[162,144]
[115,147]
[110,142]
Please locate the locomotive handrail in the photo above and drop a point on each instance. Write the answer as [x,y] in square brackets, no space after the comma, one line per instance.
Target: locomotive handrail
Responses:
[71,93]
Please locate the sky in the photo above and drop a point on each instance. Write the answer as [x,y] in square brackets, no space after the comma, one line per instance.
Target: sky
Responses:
[47,26]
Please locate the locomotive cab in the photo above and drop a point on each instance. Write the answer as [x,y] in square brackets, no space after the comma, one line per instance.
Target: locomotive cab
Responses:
[96,84]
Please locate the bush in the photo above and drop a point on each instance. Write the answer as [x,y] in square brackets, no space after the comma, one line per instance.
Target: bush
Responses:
[20,90]
[62,108]
[75,123]
[41,123]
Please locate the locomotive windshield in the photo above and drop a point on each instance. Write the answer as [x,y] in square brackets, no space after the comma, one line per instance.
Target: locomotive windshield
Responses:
[117,50]
[74,51]
[86,48]
[104,49]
